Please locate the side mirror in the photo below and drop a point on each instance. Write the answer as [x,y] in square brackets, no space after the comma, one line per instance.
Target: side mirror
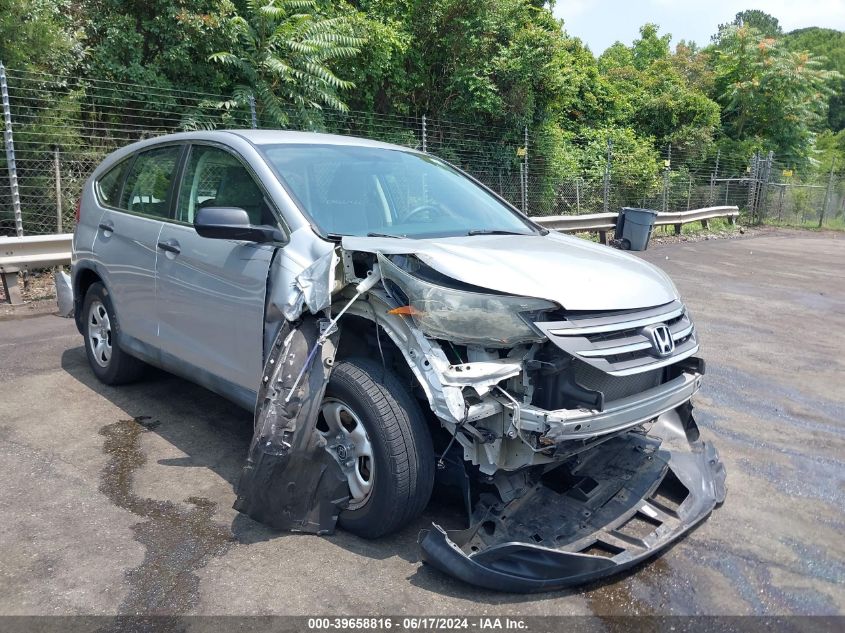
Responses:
[232,223]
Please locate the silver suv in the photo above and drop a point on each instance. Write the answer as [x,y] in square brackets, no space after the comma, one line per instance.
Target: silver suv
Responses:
[393,323]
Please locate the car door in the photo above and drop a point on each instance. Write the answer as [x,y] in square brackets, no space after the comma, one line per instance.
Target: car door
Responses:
[211,292]
[126,239]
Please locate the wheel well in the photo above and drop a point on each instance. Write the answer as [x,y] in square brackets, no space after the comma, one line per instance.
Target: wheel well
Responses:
[85,278]
[361,337]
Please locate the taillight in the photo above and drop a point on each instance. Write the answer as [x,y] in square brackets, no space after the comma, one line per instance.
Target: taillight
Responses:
[78,210]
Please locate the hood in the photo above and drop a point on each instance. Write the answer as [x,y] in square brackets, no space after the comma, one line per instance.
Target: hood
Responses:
[572,272]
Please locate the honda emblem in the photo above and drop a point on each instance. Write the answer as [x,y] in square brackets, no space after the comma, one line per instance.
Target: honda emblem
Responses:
[661,339]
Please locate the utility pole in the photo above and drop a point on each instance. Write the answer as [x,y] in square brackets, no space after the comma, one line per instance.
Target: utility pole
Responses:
[9,142]
[713,178]
[57,168]
[424,139]
[763,203]
[522,186]
[607,175]
[252,111]
[828,192]
[666,169]
[525,175]
[752,186]
[578,195]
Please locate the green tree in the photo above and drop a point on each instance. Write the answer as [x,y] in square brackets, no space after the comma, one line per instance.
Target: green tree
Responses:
[675,113]
[694,65]
[657,93]
[493,62]
[38,35]
[766,24]
[769,95]
[635,162]
[830,151]
[651,47]
[161,44]
[283,53]
[828,45]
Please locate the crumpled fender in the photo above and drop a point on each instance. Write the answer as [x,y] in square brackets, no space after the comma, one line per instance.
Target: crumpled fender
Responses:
[290,481]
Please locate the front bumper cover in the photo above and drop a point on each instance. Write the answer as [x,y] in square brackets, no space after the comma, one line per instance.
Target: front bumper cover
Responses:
[621,502]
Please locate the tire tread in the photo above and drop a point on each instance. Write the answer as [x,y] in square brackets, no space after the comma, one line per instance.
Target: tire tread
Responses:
[409,448]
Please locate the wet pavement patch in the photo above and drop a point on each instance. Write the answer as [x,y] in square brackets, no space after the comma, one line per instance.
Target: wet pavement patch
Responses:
[652,588]
[179,538]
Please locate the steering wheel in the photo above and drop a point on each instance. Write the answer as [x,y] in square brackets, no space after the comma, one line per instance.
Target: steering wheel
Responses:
[427,207]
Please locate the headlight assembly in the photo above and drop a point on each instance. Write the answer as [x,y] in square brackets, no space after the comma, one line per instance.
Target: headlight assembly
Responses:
[460,316]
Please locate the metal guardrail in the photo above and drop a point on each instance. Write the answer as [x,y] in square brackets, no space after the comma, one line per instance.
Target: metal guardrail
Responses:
[43,251]
[601,223]
[578,223]
[34,251]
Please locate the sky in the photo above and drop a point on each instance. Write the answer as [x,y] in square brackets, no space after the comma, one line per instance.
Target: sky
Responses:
[600,23]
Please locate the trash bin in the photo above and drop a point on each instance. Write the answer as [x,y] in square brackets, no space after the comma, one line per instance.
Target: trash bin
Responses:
[633,228]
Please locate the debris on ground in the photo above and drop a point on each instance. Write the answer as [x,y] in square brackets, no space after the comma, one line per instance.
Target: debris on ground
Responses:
[733,232]
[36,285]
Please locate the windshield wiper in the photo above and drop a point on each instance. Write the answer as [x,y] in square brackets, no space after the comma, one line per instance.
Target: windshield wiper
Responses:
[495,232]
[337,237]
[398,237]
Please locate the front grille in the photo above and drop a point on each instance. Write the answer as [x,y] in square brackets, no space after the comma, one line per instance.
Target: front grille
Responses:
[615,387]
[619,343]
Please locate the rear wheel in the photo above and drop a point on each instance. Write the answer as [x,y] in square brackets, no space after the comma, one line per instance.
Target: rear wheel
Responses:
[108,361]
[376,432]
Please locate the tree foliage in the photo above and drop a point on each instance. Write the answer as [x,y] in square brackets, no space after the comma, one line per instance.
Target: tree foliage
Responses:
[162,44]
[283,52]
[498,66]
[770,96]
[38,35]
[768,25]
[828,46]
[658,96]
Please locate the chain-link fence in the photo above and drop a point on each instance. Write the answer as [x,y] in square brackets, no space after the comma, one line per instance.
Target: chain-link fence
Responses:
[58,128]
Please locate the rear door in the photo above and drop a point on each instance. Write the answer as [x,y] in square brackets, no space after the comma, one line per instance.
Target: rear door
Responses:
[126,239]
[211,292]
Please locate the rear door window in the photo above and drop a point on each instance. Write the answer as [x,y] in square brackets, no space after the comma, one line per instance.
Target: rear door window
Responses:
[148,183]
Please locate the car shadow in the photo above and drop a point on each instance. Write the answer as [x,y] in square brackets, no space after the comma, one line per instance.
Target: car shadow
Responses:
[214,433]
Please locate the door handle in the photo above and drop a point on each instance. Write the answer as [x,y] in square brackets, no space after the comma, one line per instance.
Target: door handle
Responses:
[106,226]
[171,246]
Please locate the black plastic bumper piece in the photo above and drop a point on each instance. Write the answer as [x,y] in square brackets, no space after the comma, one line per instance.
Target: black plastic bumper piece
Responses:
[628,500]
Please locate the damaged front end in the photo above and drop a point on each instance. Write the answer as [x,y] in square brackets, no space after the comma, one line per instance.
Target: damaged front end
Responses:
[569,433]
[290,481]
[597,514]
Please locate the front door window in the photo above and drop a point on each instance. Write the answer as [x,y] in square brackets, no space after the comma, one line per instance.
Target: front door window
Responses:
[216,178]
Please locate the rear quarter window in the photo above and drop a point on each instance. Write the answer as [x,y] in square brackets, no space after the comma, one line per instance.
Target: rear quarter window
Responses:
[108,186]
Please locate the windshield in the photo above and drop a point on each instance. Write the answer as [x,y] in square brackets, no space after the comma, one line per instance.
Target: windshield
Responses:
[348,190]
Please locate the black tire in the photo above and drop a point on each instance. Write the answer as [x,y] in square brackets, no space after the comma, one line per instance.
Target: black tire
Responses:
[119,368]
[403,473]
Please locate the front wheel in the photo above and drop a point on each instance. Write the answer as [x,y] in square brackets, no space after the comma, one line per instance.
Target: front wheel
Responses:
[379,437]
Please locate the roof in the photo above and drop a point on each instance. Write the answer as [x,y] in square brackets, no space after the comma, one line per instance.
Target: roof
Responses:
[273,137]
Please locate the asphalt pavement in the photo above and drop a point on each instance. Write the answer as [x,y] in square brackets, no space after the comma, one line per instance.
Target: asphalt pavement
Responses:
[119,500]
